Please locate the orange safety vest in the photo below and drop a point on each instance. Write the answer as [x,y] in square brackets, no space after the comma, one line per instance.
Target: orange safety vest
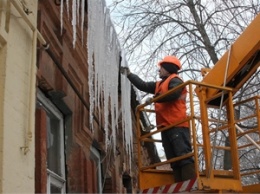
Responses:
[171,112]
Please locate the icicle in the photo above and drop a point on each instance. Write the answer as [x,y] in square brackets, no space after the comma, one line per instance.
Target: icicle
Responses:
[68,8]
[82,19]
[74,21]
[61,16]
[91,88]
[103,68]
[78,6]
[103,76]
[92,10]
[126,112]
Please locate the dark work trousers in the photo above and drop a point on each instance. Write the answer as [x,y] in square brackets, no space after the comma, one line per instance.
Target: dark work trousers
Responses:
[176,142]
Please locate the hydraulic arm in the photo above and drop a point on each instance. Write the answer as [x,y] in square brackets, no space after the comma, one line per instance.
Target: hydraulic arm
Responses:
[237,64]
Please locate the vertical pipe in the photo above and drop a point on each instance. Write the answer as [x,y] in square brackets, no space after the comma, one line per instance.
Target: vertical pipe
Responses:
[193,129]
[31,99]
[232,136]
[205,132]
[32,82]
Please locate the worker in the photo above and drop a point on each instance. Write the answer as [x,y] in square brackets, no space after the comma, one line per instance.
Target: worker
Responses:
[170,109]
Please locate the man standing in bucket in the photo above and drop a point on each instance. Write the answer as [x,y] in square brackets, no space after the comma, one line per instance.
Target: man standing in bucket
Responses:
[169,110]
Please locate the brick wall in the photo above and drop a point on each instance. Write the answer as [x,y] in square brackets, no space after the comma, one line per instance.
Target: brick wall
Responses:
[81,175]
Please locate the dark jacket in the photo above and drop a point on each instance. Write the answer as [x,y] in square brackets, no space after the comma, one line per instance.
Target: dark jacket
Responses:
[149,87]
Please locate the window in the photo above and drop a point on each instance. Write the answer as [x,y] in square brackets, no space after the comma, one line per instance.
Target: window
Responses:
[55,147]
[95,156]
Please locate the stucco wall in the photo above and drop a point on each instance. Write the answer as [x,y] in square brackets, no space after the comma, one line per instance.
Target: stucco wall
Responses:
[17,99]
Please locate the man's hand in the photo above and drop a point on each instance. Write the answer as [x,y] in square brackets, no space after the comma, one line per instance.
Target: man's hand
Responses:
[125,70]
[148,100]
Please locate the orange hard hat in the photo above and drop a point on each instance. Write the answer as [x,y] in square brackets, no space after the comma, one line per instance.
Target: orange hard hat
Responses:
[171,59]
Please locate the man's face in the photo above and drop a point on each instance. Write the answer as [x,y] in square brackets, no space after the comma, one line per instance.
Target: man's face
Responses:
[163,73]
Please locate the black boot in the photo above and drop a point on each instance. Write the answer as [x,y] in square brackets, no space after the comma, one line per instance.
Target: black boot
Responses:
[177,174]
[188,172]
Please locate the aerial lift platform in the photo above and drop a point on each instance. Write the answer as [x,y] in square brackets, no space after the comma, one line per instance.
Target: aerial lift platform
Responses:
[213,94]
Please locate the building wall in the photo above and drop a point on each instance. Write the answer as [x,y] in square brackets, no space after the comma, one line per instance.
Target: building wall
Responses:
[70,83]
[58,72]
[17,99]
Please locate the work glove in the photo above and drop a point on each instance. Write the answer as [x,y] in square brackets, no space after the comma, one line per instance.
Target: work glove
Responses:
[148,128]
[125,70]
[148,100]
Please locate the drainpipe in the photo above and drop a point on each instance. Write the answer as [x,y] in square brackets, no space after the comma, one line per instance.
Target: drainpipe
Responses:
[31,101]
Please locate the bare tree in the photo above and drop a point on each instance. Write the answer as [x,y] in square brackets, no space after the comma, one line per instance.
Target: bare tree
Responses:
[198,32]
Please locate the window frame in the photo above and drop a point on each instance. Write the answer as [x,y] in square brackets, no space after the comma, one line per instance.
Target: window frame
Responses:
[51,110]
[95,156]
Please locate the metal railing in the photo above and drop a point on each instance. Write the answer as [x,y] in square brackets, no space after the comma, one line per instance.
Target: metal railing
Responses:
[208,155]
